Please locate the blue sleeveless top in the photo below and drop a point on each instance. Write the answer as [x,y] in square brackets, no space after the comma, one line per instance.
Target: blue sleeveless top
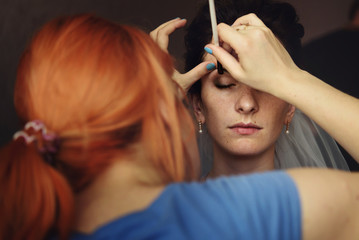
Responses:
[257,206]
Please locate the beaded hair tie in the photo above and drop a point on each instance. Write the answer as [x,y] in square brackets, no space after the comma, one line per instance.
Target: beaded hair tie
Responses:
[35,131]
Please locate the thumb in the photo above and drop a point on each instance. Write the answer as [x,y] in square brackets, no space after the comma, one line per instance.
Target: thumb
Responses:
[186,80]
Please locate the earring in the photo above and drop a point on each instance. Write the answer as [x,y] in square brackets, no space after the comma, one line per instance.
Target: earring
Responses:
[287,128]
[200,130]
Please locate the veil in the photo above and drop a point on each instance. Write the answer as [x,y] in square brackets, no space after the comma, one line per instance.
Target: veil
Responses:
[306,145]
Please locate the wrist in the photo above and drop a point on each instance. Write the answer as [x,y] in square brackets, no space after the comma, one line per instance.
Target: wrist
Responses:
[293,87]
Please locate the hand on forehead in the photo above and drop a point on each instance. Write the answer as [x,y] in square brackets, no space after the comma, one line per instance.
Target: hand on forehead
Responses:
[225,46]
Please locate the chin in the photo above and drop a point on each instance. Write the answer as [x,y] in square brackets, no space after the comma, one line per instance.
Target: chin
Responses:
[243,147]
[245,150]
[245,153]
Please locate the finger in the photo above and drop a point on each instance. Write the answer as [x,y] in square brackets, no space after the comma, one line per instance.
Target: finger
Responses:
[161,35]
[164,24]
[154,33]
[172,26]
[243,27]
[188,79]
[250,20]
[198,72]
[168,27]
[169,22]
[229,62]
[230,36]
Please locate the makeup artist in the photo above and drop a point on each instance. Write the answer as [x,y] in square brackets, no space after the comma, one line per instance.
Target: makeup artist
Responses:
[122,165]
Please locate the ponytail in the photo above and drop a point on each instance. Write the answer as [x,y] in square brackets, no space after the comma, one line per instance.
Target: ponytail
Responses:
[35,199]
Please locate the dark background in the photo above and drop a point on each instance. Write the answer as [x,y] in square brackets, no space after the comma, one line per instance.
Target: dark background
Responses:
[20,18]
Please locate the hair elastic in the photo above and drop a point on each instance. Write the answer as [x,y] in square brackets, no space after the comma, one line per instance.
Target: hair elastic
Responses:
[47,143]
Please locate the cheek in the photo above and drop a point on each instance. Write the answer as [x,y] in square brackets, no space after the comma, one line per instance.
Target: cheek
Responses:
[215,114]
[273,115]
[275,111]
[215,107]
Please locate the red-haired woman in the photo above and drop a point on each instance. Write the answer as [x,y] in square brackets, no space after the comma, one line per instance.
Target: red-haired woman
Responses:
[108,145]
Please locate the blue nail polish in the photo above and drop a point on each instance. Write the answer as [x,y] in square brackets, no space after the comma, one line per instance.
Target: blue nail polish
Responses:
[210,66]
[207,49]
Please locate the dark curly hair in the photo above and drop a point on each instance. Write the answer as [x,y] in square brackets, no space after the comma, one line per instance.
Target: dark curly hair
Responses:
[280,17]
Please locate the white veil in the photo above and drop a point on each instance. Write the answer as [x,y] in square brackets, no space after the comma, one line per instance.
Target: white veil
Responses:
[306,145]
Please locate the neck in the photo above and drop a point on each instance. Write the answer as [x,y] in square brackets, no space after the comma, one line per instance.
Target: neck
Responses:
[225,164]
[125,187]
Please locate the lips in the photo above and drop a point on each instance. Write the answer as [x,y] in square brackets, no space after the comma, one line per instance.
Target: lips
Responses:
[245,128]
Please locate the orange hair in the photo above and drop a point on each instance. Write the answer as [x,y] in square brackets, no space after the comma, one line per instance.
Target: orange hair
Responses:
[100,87]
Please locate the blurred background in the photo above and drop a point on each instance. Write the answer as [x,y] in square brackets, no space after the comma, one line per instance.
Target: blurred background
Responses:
[20,18]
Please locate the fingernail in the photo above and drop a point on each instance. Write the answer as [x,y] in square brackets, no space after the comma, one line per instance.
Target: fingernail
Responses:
[210,66]
[207,49]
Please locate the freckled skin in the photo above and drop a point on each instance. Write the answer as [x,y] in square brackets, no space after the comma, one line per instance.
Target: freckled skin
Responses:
[225,102]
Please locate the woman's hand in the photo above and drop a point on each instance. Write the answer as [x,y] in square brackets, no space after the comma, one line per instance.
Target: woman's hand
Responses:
[161,36]
[262,63]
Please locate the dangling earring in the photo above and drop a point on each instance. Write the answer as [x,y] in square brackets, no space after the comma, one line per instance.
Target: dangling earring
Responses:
[287,128]
[200,130]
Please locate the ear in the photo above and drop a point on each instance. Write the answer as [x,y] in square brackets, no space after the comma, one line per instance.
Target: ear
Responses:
[198,108]
[290,114]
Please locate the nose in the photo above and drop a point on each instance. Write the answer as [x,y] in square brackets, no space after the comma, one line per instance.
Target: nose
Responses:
[246,100]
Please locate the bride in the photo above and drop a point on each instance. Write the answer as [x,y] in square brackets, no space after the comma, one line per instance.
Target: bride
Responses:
[243,130]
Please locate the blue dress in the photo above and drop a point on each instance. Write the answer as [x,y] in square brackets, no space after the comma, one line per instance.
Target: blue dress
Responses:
[256,206]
